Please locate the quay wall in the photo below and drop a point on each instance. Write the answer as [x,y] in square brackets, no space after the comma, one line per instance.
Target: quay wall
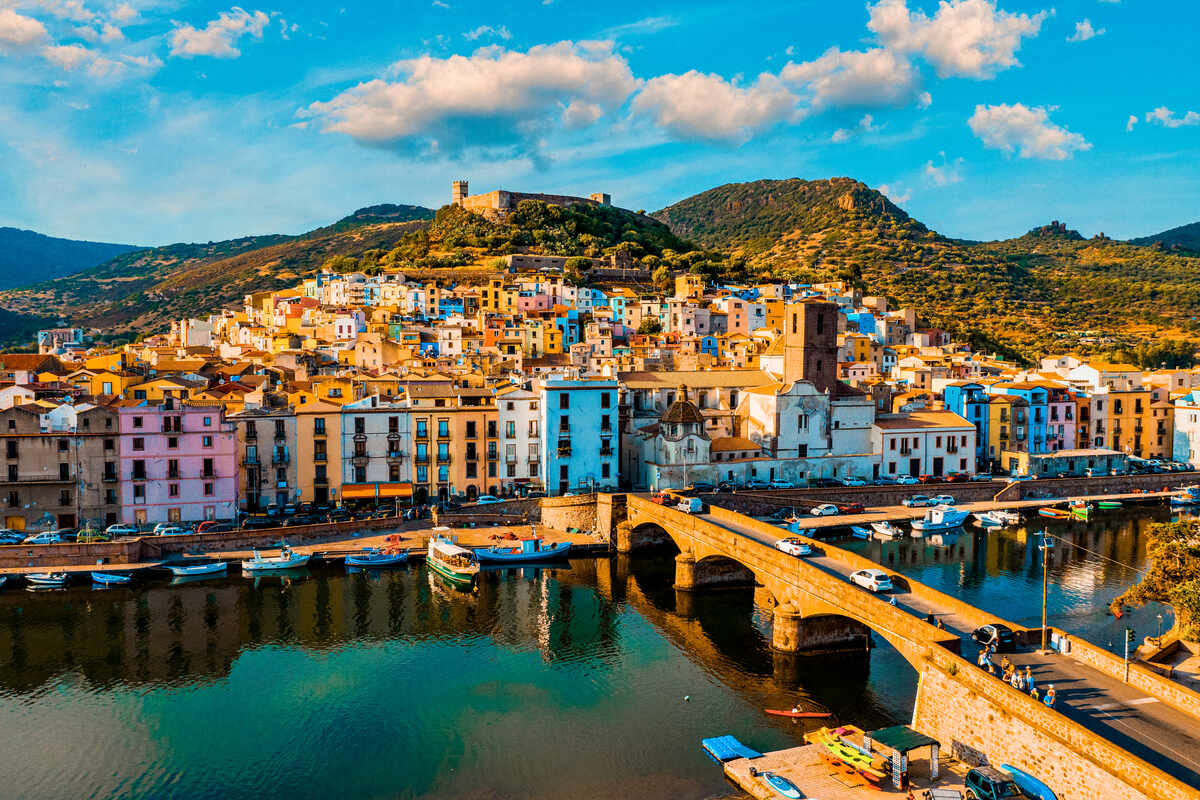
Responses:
[571,511]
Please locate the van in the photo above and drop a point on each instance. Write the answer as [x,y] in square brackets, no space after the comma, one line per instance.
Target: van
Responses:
[691,505]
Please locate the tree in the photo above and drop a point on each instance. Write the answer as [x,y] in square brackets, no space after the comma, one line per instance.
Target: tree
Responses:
[578,264]
[661,278]
[1173,577]
[650,325]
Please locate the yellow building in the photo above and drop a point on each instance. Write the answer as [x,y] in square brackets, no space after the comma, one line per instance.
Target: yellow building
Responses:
[1130,421]
[319,451]
[455,441]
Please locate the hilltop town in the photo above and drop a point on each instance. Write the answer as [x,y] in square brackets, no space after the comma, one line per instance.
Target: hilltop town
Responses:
[355,388]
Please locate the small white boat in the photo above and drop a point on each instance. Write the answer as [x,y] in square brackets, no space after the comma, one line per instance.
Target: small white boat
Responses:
[47,578]
[208,568]
[989,519]
[886,530]
[937,519]
[1008,517]
[287,559]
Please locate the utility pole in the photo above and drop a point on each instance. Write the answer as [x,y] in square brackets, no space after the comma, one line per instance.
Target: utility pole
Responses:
[1128,639]
[1045,546]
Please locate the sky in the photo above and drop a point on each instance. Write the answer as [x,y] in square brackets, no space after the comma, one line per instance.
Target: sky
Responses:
[149,122]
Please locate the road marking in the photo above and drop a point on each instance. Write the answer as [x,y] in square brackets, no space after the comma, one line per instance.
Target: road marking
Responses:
[1141,701]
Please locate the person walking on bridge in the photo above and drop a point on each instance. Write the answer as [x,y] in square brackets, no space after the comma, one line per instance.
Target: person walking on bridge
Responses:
[1050,697]
[1028,678]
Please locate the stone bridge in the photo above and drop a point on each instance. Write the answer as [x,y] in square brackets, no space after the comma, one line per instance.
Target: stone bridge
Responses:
[814,607]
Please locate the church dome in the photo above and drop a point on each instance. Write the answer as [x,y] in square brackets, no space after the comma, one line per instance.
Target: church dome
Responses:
[683,411]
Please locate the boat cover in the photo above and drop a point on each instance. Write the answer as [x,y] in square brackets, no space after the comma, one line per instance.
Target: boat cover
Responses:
[727,748]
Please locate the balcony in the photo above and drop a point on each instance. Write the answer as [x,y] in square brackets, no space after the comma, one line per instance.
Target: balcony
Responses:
[319,457]
[360,460]
[110,477]
[606,450]
[249,460]
[137,476]
[320,480]
[40,479]
[510,459]
[395,455]
[281,458]
[564,449]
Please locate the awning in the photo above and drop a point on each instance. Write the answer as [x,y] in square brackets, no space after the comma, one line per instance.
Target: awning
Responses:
[358,491]
[395,490]
[901,738]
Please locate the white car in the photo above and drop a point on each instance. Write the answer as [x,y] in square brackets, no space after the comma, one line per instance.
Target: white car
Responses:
[941,500]
[875,580]
[916,501]
[484,499]
[162,526]
[782,484]
[171,530]
[794,547]
[907,480]
[49,537]
[824,510]
[121,529]
[854,480]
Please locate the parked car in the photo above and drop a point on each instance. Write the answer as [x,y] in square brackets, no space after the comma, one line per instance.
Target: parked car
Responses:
[885,480]
[121,529]
[907,480]
[850,508]
[989,783]
[691,505]
[724,487]
[958,477]
[11,537]
[212,526]
[941,500]
[1000,635]
[339,515]
[930,478]
[875,580]
[289,510]
[916,501]
[794,547]
[48,537]
[258,523]
[782,484]
[824,483]
[981,476]
[853,480]
[485,499]
[90,536]
[173,530]
[663,498]
[824,510]
[756,483]
[702,486]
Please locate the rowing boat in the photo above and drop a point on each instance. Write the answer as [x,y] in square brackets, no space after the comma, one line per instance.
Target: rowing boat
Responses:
[110,579]
[796,713]
[47,578]
[188,570]
[1028,784]
[374,558]
[1054,513]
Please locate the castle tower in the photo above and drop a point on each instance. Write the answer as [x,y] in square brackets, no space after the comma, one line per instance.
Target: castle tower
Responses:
[810,344]
[458,192]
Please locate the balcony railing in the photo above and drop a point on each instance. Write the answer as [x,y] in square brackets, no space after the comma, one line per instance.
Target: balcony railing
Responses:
[281,458]
[249,460]
[395,454]
[606,451]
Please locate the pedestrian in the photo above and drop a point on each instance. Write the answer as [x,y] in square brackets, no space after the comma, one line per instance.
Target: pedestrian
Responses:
[1050,697]
[929,618]
[892,599]
[1028,676]
[1033,692]
[1006,665]
[941,625]
[1017,681]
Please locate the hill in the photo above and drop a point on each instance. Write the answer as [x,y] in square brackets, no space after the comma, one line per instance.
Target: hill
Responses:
[1047,290]
[27,257]
[1185,237]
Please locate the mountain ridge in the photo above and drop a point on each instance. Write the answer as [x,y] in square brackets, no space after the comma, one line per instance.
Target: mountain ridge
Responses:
[25,253]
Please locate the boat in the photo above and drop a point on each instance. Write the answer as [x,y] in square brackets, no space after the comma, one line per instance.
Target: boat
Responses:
[287,559]
[887,530]
[1054,513]
[1187,496]
[989,519]
[530,549]
[780,785]
[1009,517]
[1108,504]
[3,579]
[47,578]
[796,713]
[374,558]
[205,568]
[1029,784]
[1080,511]
[859,532]
[110,579]
[456,564]
[939,518]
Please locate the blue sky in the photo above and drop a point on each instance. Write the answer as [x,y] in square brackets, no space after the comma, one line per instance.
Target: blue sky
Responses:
[153,122]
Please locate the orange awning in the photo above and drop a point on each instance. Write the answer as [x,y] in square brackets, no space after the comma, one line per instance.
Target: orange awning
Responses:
[358,491]
[395,490]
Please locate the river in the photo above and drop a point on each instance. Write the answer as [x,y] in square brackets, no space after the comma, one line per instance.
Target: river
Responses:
[592,680]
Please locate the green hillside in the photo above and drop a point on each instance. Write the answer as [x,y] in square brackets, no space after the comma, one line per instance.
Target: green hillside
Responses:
[1185,237]
[27,257]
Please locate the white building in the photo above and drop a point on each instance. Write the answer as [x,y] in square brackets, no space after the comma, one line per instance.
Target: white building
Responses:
[521,443]
[375,440]
[1186,444]
[923,443]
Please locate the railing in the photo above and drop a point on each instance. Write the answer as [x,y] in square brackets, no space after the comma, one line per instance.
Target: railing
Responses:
[250,460]
[606,451]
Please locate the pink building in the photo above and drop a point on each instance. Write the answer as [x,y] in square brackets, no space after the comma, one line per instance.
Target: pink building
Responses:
[178,463]
[527,302]
[1060,419]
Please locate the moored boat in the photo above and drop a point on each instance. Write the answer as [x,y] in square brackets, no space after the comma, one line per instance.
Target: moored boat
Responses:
[111,579]
[886,530]
[205,568]
[939,518]
[1187,496]
[1028,784]
[859,532]
[1054,513]
[1108,504]
[47,578]
[989,519]
[287,559]
[531,549]
[456,564]
[374,558]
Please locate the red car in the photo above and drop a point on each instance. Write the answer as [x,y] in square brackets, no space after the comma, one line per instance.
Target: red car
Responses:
[957,477]
[930,479]
[850,508]
[662,498]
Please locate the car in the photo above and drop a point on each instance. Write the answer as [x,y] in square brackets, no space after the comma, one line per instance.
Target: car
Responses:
[853,480]
[782,484]
[884,480]
[907,480]
[941,500]
[158,529]
[824,510]
[173,530]
[485,499]
[989,783]
[824,483]
[289,510]
[931,479]
[875,580]
[258,523]
[663,498]
[757,483]
[725,487]
[66,534]
[122,529]
[218,527]
[850,508]
[691,505]
[794,547]
[981,476]
[339,515]
[995,633]
[916,501]
[957,477]
[48,537]
[702,486]
[11,537]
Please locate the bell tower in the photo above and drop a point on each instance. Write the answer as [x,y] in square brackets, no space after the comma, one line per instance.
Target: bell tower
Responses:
[810,344]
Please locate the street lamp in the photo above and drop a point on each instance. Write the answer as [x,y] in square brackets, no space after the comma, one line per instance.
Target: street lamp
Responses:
[1158,636]
[1045,546]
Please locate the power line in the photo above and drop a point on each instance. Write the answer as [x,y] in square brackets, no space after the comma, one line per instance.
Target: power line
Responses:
[1094,553]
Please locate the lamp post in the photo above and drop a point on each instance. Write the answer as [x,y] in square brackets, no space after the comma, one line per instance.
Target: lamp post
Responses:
[1158,636]
[1045,546]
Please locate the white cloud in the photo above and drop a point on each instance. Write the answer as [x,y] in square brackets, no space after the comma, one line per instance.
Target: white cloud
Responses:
[218,37]
[68,9]
[965,38]
[68,56]
[492,98]
[1028,131]
[499,32]
[893,193]
[18,31]
[850,79]
[111,33]
[1166,117]
[945,174]
[1085,31]
[865,125]
[641,27]
[440,4]
[1129,123]
[697,105]
[581,114]
[124,14]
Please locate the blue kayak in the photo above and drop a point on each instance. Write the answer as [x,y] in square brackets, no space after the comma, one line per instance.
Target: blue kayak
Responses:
[782,786]
[1029,784]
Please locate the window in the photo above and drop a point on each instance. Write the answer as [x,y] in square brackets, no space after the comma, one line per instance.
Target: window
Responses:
[472,470]
[139,493]
[172,490]
[533,429]
[64,445]
[139,443]
[137,422]
[14,500]
[10,448]
[173,468]
[208,489]
[206,441]
[564,400]
[533,469]
[605,401]
[173,442]
[443,473]
[606,423]
[510,429]
[422,474]
[109,444]
[208,470]
[443,451]
[319,426]
[139,470]
[471,429]
[491,428]
[360,474]
[802,422]
[110,497]
[443,428]
[208,422]
[605,469]
[64,497]
[360,424]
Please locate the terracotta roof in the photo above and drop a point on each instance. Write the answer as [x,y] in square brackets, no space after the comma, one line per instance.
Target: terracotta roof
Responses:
[922,419]
[727,443]
[683,411]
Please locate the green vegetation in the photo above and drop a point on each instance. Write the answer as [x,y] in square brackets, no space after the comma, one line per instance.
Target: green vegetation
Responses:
[650,325]
[27,257]
[1185,237]
[1173,577]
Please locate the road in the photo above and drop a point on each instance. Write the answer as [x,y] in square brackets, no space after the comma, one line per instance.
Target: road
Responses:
[1147,728]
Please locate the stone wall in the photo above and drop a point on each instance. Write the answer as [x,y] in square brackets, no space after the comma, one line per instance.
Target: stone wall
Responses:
[573,511]
[509,512]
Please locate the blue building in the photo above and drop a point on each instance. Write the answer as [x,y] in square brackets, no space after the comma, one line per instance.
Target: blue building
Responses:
[1038,398]
[579,432]
[970,402]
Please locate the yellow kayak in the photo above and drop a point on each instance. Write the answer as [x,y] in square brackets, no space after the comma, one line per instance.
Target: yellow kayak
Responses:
[844,752]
